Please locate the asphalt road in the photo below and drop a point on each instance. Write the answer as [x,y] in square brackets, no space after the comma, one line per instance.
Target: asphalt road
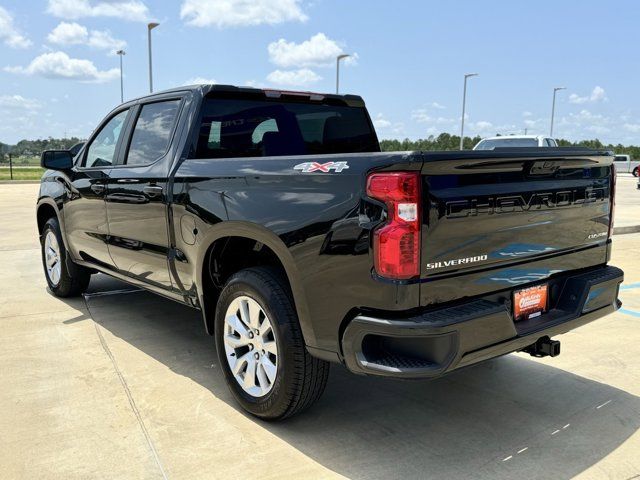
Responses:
[124,384]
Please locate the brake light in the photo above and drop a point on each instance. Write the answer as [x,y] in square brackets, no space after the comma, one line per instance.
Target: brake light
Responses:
[396,244]
[612,211]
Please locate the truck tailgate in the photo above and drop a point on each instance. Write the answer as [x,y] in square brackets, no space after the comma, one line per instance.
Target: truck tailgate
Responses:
[512,218]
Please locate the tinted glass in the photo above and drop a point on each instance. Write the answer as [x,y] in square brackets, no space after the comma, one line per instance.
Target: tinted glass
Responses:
[551,142]
[102,150]
[506,142]
[152,132]
[620,159]
[253,128]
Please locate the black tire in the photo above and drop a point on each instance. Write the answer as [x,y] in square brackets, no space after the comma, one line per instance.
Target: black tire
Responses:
[635,172]
[74,279]
[300,378]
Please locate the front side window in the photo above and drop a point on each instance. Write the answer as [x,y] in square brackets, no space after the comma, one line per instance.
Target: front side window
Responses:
[267,127]
[152,132]
[102,150]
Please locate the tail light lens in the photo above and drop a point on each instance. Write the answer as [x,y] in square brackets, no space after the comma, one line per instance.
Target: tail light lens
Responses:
[614,177]
[396,244]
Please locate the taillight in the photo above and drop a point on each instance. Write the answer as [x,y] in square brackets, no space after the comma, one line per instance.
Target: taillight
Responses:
[396,244]
[612,211]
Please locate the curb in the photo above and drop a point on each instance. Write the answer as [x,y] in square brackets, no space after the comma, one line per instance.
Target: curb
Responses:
[9,182]
[625,230]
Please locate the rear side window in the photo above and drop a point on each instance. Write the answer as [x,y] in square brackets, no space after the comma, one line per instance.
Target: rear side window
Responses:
[254,128]
[152,132]
[490,144]
[620,159]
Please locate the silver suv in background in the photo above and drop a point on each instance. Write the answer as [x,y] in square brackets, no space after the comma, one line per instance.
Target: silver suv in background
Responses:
[624,163]
[490,143]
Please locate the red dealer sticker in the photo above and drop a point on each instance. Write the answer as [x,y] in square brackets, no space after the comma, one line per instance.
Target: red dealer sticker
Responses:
[530,302]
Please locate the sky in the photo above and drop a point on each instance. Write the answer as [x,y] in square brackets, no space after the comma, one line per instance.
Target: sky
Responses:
[59,74]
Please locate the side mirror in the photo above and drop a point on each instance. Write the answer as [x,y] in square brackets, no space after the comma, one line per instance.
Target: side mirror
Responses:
[56,159]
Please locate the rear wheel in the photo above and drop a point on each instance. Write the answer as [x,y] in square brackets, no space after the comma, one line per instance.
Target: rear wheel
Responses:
[65,278]
[635,172]
[260,347]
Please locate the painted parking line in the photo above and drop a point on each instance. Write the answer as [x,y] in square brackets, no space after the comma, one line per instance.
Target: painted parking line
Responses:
[629,286]
[633,313]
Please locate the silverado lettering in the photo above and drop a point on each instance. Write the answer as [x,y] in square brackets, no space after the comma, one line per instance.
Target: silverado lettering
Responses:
[457,261]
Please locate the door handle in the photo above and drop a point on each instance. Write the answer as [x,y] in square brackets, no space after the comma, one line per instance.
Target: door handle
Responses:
[98,188]
[152,191]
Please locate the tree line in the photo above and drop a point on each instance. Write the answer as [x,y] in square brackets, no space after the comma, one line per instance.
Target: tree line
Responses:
[33,148]
[446,141]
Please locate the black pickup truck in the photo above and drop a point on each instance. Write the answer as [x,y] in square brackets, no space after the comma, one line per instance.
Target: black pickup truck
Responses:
[276,215]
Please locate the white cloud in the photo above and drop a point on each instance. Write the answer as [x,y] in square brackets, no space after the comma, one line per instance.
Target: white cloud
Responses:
[632,127]
[421,116]
[19,102]
[102,39]
[60,65]
[437,106]
[200,81]
[9,34]
[303,76]
[238,13]
[319,50]
[380,122]
[75,34]
[133,10]
[527,114]
[482,126]
[597,95]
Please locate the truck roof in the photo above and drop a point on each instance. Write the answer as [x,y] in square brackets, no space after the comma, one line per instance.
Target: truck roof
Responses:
[501,137]
[206,89]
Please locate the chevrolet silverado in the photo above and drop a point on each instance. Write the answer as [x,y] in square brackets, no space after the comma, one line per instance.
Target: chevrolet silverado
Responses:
[276,214]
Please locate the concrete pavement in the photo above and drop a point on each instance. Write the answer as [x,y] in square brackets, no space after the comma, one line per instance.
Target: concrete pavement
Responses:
[127,385]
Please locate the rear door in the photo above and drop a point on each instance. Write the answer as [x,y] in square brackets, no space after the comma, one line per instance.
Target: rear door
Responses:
[137,194]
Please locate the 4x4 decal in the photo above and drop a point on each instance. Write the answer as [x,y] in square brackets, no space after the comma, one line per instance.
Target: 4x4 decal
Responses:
[308,167]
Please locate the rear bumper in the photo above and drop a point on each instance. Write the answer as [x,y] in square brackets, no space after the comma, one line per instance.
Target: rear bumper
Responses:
[438,341]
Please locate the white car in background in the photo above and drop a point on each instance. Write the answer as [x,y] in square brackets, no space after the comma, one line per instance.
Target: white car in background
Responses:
[624,163]
[503,141]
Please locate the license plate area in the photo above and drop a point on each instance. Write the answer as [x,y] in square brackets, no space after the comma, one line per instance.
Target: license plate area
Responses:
[530,302]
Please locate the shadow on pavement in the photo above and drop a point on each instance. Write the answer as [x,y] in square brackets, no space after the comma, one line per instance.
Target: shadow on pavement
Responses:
[471,423]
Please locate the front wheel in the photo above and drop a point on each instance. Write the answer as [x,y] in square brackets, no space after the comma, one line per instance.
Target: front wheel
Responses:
[261,349]
[635,172]
[65,278]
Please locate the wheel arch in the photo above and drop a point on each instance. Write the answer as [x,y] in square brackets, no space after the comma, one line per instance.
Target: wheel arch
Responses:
[257,234]
[47,208]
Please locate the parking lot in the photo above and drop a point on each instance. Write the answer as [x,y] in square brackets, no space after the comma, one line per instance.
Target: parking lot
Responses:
[125,384]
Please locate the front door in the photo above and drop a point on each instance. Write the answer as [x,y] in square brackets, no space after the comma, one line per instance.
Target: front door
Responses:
[136,199]
[85,214]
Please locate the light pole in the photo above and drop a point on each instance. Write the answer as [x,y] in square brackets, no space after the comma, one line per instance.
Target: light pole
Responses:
[121,53]
[464,105]
[338,58]
[553,107]
[150,26]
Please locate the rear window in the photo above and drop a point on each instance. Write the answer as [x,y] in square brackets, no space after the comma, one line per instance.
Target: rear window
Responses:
[619,158]
[254,128]
[490,144]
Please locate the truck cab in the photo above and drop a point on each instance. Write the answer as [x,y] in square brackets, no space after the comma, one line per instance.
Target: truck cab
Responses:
[625,164]
[507,141]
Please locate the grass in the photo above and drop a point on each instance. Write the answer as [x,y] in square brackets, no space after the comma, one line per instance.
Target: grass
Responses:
[21,173]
